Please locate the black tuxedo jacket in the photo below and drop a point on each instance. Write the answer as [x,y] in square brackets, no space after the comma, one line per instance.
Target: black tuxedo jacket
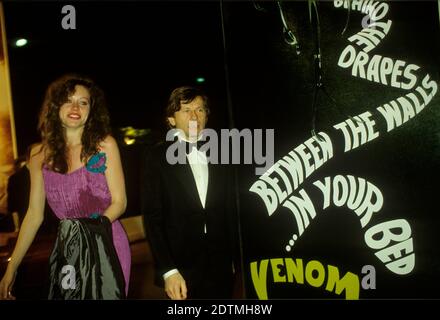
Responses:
[175,220]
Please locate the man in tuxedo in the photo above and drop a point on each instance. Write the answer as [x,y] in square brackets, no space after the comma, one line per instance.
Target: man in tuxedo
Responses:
[189,209]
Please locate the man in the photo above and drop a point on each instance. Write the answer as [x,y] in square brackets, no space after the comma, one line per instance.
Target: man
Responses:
[189,208]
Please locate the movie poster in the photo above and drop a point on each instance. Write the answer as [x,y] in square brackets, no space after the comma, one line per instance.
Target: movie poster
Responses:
[349,207]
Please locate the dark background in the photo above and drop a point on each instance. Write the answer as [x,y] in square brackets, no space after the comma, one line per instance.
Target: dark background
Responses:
[139,51]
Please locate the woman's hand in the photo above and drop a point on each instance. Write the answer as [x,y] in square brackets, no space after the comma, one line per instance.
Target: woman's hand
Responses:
[6,285]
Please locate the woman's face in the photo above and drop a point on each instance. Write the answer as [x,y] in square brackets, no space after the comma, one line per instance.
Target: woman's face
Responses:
[74,112]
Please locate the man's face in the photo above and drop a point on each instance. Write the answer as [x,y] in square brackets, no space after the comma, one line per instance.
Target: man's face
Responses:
[192,116]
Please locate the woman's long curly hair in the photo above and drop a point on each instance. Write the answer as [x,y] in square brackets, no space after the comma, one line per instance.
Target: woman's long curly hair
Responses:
[96,128]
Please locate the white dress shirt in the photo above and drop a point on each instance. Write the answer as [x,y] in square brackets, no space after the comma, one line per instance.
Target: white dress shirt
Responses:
[199,167]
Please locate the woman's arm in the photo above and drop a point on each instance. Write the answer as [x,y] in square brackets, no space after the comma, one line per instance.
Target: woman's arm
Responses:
[115,179]
[35,213]
[31,223]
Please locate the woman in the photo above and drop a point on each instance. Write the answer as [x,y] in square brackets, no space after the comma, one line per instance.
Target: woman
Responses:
[77,167]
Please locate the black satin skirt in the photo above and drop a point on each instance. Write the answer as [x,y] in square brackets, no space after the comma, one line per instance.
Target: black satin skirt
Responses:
[84,263]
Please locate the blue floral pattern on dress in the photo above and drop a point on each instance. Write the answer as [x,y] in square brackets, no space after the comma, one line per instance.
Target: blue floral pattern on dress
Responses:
[96,164]
[94,215]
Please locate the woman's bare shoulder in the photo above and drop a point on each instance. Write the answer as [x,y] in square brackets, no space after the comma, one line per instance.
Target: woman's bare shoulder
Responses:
[109,144]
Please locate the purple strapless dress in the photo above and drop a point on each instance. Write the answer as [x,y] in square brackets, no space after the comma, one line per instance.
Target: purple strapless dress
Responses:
[78,195]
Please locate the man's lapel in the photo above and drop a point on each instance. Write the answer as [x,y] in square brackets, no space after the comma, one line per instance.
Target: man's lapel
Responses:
[213,179]
[186,179]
